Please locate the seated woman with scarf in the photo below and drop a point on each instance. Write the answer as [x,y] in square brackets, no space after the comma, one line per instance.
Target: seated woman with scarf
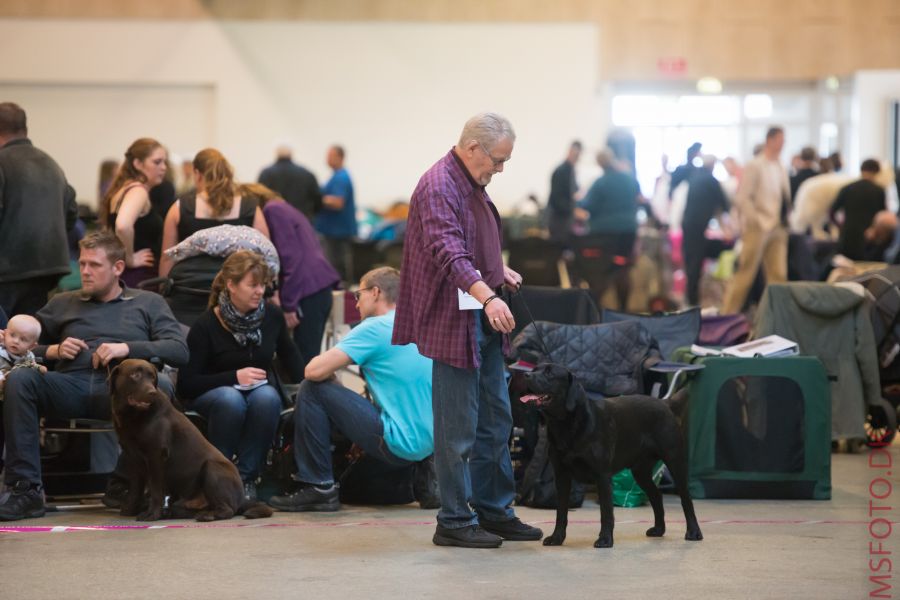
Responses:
[227,379]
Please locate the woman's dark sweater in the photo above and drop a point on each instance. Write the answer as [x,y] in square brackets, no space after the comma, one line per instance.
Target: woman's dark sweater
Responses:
[216,356]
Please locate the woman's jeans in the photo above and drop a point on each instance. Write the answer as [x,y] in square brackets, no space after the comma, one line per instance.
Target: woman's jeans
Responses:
[321,405]
[241,423]
[472,425]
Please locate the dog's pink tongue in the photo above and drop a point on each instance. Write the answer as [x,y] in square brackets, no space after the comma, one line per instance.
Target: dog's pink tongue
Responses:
[529,398]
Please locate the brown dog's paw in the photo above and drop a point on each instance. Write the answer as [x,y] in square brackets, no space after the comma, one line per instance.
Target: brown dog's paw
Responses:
[554,540]
[693,536]
[656,531]
[604,542]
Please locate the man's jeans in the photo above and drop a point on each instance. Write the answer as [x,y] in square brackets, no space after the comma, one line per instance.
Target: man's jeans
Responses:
[30,395]
[241,423]
[323,404]
[472,424]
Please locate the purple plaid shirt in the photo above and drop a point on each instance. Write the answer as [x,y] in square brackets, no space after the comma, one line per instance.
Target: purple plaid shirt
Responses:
[438,259]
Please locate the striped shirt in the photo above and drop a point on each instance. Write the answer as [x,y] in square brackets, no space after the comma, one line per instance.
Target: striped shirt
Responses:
[439,257]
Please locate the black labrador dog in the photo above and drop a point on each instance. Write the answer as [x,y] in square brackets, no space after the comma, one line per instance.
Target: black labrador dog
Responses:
[591,440]
[169,456]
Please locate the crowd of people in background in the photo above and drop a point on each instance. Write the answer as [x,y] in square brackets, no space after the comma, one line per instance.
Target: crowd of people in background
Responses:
[753,208]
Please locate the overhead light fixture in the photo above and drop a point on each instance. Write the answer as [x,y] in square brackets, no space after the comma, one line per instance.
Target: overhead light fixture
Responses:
[832,83]
[709,85]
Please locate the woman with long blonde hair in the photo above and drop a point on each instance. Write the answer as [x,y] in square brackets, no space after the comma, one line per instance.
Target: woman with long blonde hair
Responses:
[217,202]
[126,208]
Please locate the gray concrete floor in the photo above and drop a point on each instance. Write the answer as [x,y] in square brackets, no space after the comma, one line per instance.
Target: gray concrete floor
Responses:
[752,549]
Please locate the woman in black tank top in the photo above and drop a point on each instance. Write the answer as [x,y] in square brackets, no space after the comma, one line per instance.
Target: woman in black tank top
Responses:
[215,202]
[126,208]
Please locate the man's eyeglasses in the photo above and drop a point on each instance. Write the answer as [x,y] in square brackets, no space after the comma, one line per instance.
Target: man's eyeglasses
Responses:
[497,161]
[359,292]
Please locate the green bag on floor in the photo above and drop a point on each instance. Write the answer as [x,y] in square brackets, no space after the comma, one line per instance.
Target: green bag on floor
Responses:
[625,490]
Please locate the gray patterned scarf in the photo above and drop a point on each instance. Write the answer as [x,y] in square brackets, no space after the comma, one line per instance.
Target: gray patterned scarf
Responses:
[244,328]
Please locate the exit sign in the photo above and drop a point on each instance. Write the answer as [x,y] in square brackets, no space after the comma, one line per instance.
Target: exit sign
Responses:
[672,66]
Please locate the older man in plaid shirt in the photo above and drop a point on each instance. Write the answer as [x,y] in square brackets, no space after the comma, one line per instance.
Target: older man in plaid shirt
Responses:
[449,306]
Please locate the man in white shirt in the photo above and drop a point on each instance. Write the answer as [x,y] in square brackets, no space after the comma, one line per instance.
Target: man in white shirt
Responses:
[763,200]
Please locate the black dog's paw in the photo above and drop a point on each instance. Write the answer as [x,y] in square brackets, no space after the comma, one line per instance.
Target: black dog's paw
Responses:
[693,536]
[604,542]
[150,515]
[554,540]
[129,511]
[656,531]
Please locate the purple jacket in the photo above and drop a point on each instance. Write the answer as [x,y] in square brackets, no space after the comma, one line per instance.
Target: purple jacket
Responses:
[304,268]
[438,259]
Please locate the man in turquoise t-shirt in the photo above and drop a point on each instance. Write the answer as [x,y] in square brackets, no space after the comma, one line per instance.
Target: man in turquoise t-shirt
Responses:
[397,429]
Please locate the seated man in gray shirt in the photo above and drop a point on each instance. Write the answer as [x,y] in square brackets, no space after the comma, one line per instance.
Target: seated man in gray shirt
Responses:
[86,330]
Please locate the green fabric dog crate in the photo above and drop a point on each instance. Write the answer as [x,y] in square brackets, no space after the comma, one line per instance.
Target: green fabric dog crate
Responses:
[759,428]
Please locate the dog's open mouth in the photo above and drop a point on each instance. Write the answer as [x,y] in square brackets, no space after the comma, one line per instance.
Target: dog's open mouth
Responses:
[536,399]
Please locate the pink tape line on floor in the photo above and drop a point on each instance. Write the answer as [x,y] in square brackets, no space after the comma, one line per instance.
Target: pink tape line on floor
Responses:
[380,523]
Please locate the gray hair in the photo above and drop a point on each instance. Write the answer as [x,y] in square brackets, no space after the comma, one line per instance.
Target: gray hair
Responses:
[606,158]
[487,129]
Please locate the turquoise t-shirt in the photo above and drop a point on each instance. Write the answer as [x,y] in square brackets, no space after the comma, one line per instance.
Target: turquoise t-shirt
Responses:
[400,380]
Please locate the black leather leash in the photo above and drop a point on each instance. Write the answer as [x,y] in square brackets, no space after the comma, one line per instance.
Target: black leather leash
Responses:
[518,294]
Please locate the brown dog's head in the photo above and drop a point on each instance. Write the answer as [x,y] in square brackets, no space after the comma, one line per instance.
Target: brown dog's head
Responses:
[553,389]
[132,384]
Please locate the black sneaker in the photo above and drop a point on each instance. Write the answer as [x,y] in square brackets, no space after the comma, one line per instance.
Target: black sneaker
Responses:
[308,498]
[471,536]
[250,491]
[116,492]
[25,501]
[425,485]
[513,530]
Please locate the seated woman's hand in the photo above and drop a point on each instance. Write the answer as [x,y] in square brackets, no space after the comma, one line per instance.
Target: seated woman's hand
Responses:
[142,258]
[250,375]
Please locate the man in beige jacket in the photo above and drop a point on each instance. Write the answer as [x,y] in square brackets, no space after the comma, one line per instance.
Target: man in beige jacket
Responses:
[763,200]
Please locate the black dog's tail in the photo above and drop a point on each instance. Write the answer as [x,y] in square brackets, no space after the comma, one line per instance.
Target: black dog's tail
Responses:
[255,510]
[677,402]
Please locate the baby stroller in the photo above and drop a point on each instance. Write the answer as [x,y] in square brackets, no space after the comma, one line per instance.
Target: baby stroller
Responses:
[187,287]
[198,259]
[883,289]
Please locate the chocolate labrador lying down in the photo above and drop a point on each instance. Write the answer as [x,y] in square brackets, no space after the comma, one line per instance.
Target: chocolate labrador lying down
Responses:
[590,440]
[170,456]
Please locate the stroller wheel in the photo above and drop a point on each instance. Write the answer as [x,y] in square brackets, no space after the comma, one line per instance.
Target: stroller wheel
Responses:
[880,425]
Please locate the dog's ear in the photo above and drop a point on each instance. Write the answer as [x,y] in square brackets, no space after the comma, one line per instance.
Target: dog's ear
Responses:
[112,382]
[571,393]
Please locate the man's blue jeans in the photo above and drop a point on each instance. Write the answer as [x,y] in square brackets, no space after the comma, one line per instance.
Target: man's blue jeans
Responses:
[241,423]
[472,424]
[321,405]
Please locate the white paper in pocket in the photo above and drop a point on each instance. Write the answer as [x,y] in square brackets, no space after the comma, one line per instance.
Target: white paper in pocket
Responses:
[466,300]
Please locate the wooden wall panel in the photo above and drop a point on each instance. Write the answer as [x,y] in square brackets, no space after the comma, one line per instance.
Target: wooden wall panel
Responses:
[730,39]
